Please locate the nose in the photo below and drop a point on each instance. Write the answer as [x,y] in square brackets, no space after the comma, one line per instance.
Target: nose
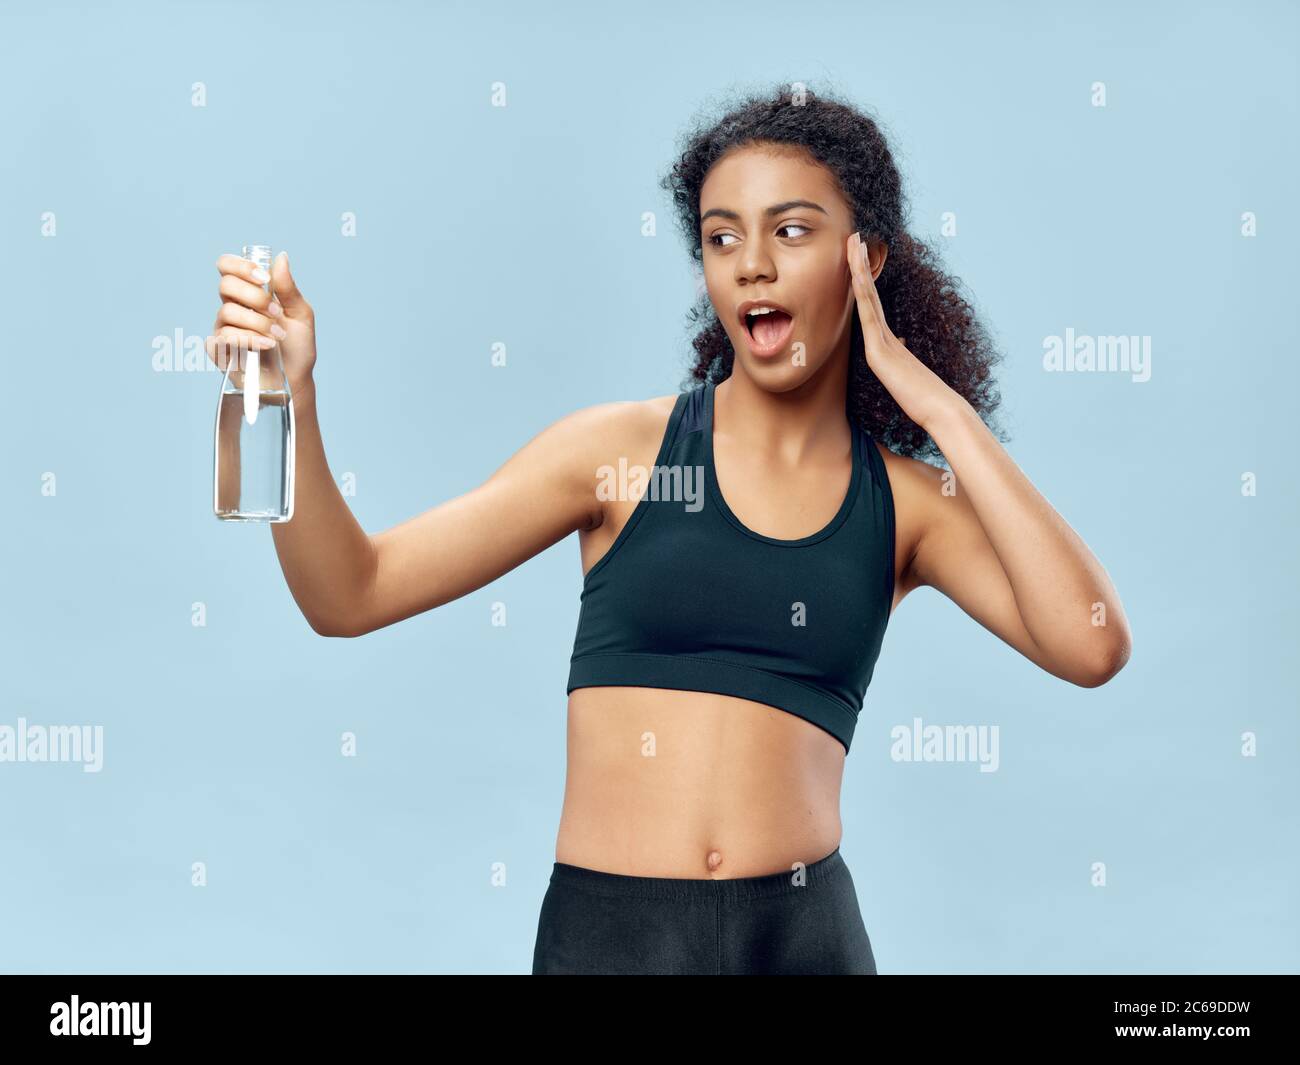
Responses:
[754,263]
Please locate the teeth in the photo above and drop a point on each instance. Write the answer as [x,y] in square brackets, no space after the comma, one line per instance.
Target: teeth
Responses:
[755,312]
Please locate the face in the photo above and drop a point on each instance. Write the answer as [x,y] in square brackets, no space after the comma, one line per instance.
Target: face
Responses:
[773,225]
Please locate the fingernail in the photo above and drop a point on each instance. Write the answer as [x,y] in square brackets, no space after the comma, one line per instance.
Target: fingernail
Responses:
[277,331]
[275,310]
[261,276]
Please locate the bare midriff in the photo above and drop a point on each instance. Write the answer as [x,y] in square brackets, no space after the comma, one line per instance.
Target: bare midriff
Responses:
[671,783]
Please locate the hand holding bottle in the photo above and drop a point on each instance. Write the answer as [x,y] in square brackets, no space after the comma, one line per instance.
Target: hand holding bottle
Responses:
[249,317]
[265,345]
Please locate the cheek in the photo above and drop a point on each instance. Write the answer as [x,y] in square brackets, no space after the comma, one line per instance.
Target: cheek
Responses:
[829,293]
[719,296]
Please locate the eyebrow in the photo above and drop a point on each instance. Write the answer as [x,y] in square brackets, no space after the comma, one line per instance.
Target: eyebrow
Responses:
[775,209]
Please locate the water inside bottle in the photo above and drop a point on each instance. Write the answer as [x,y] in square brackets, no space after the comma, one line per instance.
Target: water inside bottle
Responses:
[253,478]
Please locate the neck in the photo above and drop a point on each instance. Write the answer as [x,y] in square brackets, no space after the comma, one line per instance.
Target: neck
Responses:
[791,425]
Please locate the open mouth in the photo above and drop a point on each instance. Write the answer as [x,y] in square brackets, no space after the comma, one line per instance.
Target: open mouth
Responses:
[768,327]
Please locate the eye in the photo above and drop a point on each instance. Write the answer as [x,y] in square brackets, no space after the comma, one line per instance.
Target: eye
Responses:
[716,239]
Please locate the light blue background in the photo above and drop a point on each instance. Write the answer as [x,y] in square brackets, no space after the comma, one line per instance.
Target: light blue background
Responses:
[521,225]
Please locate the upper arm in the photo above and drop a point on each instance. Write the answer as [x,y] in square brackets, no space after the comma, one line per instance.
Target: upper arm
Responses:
[543,492]
[950,552]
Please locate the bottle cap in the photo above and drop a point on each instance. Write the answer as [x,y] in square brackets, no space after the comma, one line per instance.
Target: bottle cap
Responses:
[259,254]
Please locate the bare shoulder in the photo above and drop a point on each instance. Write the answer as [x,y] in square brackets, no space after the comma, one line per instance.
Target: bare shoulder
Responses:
[624,427]
[908,475]
[616,427]
[599,435]
[917,487]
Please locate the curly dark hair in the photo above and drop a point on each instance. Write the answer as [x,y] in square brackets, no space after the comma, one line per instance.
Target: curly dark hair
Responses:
[922,303]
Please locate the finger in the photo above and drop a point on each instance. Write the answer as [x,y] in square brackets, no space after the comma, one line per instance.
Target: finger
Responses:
[237,290]
[273,309]
[241,267]
[870,310]
[862,285]
[851,253]
[238,314]
[874,293]
[286,289]
[231,337]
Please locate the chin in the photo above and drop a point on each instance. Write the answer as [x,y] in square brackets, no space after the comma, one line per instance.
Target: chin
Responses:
[777,374]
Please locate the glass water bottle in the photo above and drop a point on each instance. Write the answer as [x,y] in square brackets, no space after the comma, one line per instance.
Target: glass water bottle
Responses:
[253,453]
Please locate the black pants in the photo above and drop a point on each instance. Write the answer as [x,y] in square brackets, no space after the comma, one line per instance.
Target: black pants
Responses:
[806,921]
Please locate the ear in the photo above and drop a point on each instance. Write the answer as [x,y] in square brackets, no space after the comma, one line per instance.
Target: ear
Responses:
[874,250]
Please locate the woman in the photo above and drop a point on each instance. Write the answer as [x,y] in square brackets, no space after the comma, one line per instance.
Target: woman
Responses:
[735,599]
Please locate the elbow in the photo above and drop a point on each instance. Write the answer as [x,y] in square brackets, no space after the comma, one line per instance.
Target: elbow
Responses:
[1108,662]
[331,627]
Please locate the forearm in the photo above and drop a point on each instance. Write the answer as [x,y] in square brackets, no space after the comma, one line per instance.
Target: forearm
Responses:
[326,557]
[1065,599]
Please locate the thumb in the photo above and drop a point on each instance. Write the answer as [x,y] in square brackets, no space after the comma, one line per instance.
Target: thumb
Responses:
[286,289]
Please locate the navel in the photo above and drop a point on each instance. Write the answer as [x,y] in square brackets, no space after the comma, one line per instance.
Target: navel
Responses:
[714,860]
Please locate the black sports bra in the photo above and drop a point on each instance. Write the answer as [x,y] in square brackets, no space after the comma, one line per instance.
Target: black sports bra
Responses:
[687,597]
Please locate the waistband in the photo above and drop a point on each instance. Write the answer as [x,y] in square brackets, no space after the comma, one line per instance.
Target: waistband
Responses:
[686,889]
